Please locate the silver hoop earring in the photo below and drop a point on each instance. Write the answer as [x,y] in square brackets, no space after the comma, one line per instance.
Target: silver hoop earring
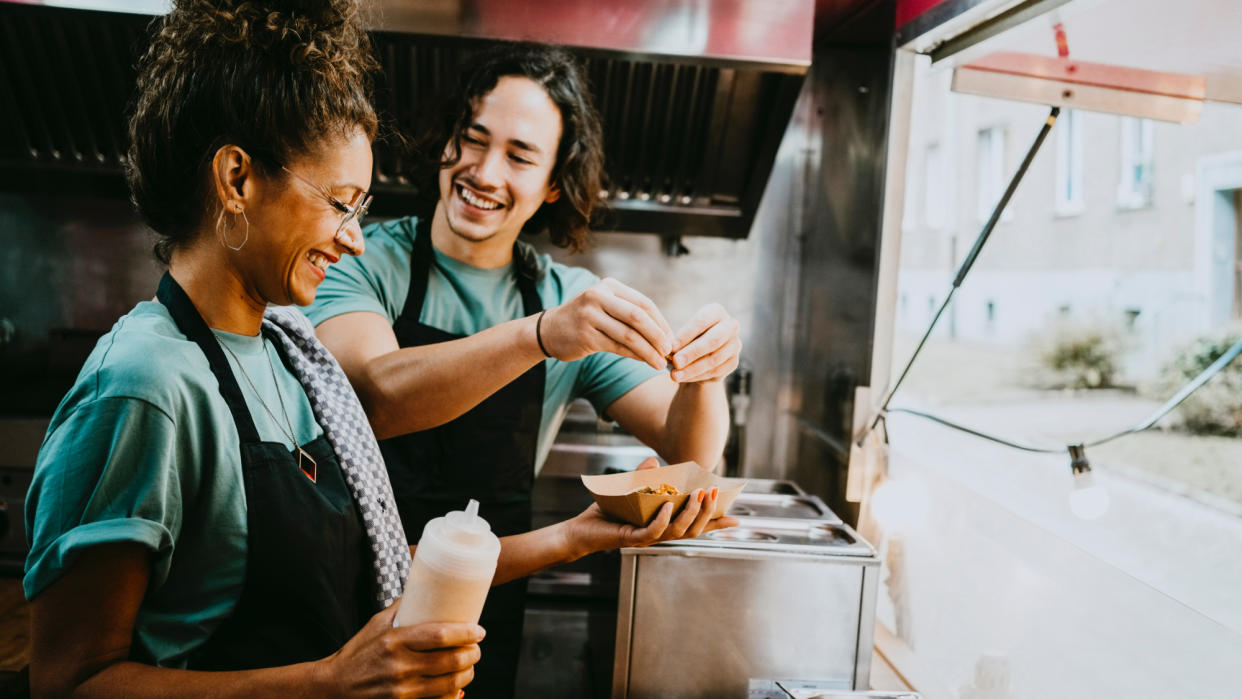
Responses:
[224,236]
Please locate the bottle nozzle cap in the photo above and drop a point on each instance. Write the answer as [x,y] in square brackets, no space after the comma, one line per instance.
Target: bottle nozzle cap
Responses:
[460,541]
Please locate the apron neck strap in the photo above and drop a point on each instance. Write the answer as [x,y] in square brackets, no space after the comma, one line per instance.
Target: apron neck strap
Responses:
[424,257]
[191,323]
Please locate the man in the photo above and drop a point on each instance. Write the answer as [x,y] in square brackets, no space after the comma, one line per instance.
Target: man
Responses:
[466,348]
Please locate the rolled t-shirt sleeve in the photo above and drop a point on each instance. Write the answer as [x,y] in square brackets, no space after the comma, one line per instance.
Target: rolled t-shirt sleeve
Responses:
[605,377]
[112,471]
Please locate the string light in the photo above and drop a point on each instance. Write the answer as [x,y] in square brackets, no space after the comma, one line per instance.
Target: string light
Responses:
[1087,500]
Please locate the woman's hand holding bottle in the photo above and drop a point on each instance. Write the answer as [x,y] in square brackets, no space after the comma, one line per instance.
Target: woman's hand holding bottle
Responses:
[424,660]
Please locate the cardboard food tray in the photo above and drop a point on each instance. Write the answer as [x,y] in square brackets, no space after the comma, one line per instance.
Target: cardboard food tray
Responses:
[616,497]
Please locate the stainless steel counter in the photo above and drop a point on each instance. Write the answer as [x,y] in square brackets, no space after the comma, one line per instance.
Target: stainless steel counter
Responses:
[702,617]
[802,689]
[572,618]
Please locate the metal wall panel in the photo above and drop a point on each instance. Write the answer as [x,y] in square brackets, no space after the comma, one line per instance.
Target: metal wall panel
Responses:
[818,232]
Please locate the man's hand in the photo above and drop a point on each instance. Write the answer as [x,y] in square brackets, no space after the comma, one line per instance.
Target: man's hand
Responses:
[608,317]
[707,348]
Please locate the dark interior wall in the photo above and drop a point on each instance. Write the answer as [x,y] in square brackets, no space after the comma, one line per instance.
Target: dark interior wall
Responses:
[71,267]
[823,291]
[832,349]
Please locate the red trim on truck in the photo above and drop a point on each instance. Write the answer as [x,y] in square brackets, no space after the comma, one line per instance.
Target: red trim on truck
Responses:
[910,9]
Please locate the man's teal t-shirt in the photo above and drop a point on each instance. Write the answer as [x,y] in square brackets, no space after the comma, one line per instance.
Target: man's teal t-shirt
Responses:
[464,300]
[143,449]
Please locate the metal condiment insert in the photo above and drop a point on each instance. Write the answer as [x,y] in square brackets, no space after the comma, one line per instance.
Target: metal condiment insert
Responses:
[769,506]
[791,535]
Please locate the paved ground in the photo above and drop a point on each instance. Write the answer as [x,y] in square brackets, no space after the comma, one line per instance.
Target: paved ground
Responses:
[1143,602]
[960,381]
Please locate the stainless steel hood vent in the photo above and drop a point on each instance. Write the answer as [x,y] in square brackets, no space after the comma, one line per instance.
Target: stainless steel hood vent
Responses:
[695,95]
[66,78]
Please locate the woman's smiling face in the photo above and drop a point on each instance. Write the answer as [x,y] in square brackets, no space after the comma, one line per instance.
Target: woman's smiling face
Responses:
[293,237]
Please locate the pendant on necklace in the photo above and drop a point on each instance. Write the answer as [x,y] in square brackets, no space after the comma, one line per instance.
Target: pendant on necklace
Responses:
[308,465]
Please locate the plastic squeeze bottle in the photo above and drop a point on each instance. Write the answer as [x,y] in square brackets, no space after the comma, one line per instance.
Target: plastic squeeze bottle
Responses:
[452,570]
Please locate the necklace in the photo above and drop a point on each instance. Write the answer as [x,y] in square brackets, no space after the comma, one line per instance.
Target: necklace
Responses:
[305,462]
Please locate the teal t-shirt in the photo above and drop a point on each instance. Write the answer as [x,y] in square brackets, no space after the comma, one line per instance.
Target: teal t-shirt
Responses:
[143,449]
[464,300]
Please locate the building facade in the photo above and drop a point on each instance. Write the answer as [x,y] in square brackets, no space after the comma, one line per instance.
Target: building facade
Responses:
[1125,224]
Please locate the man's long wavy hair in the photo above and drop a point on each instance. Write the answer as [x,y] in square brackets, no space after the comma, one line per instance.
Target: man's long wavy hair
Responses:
[579,168]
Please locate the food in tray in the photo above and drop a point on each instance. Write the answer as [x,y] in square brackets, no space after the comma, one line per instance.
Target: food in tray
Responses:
[664,489]
[626,496]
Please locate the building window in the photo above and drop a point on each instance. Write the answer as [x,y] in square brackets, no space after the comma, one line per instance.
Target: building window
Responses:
[1069,197]
[991,173]
[935,188]
[1137,154]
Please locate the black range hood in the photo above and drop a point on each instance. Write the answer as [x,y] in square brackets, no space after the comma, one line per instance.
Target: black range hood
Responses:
[695,95]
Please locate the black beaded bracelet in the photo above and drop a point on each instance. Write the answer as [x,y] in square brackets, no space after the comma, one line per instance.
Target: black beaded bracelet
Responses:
[539,335]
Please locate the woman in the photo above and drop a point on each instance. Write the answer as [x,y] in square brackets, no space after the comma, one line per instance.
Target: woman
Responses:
[208,514]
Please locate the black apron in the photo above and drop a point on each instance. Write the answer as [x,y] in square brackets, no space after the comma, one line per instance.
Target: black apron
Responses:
[487,454]
[309,584]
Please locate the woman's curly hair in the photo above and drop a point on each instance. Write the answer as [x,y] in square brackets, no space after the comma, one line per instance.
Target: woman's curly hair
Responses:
[579,168]
[275,77]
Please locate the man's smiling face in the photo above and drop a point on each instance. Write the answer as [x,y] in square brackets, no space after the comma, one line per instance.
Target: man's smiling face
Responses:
[508,152]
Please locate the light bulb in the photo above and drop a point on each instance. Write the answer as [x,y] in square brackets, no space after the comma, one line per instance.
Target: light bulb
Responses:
[1088,500]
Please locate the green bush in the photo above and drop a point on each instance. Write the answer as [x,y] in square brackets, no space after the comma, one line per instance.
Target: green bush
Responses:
[1075,355]
[1216,408]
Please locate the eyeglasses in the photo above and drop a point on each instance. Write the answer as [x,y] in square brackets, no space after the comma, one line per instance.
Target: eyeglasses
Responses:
[348,213]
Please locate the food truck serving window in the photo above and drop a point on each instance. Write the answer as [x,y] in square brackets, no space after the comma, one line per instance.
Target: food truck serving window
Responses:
[1113,280]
